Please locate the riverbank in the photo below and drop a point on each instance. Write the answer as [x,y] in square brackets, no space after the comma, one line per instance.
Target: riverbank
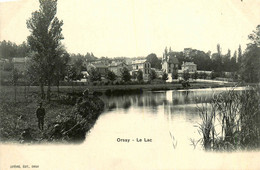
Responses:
[67,119]
[7,92]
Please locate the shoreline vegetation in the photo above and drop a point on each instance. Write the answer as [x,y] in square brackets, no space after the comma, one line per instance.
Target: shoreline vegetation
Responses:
[231,121]
[71,113]
[68,118]
[102,89]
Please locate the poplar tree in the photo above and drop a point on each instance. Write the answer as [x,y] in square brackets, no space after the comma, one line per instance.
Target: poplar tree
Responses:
[45,42]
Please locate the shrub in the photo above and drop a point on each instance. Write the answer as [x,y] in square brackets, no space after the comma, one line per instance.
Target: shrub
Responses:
[73,128]
[68,99]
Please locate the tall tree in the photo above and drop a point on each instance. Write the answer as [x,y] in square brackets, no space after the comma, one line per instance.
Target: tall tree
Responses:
[255,37]
[226,61]
[61,68]
[217,60]
[200,58]
[45,40]
[155,62]
[239,57]
[165,54]
[250,71]
[233,62]
[219,49]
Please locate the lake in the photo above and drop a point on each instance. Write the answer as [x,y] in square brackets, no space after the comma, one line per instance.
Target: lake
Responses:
[143,125]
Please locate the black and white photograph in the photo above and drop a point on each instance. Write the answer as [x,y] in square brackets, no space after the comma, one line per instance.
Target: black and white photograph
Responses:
[129,84]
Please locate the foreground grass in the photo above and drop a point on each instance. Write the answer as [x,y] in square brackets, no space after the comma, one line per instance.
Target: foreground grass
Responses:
[65,120]
[16,117]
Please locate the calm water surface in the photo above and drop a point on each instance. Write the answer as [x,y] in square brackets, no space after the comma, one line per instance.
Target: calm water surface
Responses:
[152,115]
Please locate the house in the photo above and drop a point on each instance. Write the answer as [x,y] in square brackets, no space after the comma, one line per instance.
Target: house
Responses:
[117,67]
[189,66]
[169,64]
[100,67]
[141,64]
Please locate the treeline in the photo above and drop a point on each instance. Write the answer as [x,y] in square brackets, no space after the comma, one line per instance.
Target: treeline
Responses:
[217,62]
[50,63]
[9,50]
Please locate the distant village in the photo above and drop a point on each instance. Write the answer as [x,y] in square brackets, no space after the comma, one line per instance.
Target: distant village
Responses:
[189,65]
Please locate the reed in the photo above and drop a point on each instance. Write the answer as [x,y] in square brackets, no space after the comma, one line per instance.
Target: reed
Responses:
[238,116]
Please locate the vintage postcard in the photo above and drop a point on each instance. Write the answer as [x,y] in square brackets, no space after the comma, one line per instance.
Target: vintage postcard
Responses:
[129,84]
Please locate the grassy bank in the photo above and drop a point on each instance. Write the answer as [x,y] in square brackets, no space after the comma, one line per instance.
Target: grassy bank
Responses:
[67,119]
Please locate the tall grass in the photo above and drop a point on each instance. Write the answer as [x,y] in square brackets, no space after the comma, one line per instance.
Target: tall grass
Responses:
[231,121]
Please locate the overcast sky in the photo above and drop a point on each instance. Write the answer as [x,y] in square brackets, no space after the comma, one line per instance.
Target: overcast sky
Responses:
[139,27]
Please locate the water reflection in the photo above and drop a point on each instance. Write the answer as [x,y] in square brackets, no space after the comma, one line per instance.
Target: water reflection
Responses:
[155,114]
[154,99]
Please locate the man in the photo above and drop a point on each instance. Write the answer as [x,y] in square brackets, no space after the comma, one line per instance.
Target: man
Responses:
[40,113]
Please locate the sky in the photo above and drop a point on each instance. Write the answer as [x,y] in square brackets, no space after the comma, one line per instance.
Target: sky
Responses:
[133,28]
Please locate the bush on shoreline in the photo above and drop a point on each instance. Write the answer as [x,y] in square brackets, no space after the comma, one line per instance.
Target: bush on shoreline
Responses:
[65,122]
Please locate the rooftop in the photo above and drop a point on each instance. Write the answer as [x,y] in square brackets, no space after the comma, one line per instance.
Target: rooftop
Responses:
[99,65]
[188,64]
[173,59]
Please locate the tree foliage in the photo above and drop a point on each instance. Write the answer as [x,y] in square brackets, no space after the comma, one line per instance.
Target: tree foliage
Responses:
[111,75]
[175,74]
[155,62]
[125,75]
[250,62]
[152,75]
[94,75]
[45,41]
[165,76]
[186,75]
[9,50]
[139,75]
[195,75]
[250,71]
[73,74]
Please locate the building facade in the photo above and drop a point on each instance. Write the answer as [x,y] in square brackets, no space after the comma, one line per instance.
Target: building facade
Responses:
[169,64]
[141,64]
[117,67]
[189,66]
[100,67]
